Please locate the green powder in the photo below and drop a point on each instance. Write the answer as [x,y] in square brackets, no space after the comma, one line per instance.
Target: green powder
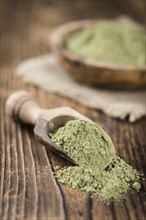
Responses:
[114,42]
[100,171]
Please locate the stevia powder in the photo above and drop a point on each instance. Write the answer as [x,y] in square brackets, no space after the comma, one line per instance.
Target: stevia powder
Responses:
[115,42]
[100,171]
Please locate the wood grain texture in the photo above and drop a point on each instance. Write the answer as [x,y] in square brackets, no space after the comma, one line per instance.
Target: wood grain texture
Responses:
[28,189]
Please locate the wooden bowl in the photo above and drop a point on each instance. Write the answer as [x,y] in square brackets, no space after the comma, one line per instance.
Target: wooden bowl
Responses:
[92,72]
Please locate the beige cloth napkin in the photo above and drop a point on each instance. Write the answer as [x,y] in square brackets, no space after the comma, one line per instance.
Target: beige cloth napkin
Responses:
[45,72]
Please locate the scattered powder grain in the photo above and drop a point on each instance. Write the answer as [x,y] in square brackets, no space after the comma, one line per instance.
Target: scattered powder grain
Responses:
[100,171]
[115,41]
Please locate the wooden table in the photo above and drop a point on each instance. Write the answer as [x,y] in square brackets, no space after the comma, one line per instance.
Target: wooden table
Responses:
[27,187]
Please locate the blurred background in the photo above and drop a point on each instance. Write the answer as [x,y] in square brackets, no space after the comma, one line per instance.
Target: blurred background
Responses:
[32,20]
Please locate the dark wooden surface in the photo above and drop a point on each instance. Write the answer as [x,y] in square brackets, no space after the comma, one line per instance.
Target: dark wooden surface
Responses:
[27,187]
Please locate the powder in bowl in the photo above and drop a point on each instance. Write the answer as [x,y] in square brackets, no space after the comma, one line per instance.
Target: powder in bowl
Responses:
[114,42]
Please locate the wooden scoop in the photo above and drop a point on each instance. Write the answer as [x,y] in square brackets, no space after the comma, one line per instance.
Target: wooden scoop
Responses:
[23,106]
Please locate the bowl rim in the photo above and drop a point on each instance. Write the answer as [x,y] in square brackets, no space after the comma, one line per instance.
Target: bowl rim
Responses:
[58,35]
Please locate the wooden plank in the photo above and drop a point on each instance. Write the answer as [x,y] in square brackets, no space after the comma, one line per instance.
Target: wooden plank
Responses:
[20,209]
[50,201]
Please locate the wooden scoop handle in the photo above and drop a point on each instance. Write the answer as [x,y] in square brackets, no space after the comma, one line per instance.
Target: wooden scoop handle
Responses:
[23,106]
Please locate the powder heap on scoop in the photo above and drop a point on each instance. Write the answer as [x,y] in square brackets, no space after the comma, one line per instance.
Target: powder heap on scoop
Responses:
[100,171]
[114,41]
